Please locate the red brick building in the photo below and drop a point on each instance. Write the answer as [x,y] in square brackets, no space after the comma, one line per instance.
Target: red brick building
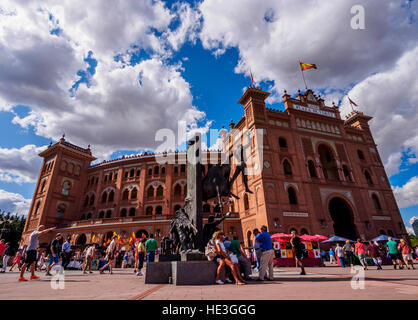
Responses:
[320,175]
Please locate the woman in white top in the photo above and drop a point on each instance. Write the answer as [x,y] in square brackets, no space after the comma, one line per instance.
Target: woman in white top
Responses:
[224,259]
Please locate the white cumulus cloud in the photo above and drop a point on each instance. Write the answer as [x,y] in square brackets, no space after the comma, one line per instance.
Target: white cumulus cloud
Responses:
[407,195]
[14,203]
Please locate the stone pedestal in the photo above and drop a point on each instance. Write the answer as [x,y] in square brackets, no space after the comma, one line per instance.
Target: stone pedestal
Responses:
[168,257]
[158,272]
[195,273]
[193,256]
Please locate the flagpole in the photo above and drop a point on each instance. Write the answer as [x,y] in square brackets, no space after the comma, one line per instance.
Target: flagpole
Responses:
[303,77]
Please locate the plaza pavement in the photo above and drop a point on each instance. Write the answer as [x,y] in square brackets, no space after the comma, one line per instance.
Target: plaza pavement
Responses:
[320,283]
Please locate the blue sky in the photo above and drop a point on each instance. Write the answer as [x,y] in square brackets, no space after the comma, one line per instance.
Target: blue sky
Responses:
[76,74]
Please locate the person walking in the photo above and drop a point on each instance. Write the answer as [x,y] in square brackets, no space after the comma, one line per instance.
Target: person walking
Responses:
[406,252]
[66,253]
[339,252]
[110,255]
[266,261]
[141,256]
[374,252]
[151,246]
[257,249]
[53,252]
[332,256]
[348,251]
[394,253]
[236,248]
[2,247]
[360,251]
[298,249]
[89,256]
[31,251]
[9,252]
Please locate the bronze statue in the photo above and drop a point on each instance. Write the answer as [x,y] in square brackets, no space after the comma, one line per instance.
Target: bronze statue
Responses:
[240,157]
[182,232]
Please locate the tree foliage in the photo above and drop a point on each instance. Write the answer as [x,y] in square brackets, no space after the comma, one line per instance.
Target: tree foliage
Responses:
[11,227]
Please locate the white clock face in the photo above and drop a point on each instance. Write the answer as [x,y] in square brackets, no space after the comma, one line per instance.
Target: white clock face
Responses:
[266,164]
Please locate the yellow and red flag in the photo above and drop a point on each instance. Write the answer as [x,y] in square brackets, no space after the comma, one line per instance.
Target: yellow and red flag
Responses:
[133,236]
[93,238]
[306,66]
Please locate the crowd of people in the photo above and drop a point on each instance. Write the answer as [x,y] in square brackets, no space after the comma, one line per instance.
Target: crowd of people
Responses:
[230,255]
[401,254]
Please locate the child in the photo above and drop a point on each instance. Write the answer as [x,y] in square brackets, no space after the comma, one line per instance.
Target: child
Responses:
[17,260]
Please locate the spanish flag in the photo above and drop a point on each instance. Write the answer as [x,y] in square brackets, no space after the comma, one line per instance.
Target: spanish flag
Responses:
[305,66]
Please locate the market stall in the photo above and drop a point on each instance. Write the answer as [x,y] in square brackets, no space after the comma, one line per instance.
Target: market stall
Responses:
[283,253]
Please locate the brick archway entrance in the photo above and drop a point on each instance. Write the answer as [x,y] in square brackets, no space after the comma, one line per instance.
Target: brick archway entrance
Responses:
[342,216]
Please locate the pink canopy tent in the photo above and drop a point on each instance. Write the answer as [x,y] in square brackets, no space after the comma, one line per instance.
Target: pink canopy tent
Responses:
[320,237]
[281,236]
[307,237]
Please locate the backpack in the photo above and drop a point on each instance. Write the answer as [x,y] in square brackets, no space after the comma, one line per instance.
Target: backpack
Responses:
[210,250]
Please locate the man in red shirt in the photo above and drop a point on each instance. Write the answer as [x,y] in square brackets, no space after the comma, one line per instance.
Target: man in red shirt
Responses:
[2,247]
[360,251]
[406,252]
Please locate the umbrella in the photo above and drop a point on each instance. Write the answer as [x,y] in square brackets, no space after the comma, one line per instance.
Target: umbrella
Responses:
[320,237]
[384,238]
[281,236]
[336,239]
[307,237]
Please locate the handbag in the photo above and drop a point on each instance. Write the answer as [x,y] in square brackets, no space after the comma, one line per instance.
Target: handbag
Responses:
[209,250]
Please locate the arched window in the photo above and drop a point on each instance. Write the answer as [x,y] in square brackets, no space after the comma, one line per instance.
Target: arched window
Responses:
[92,198]
[177,207]
[360,155]
[183,168]
[376,202]
[63,165]
[125,194]
[287,168]
[123,212]
[160,191]
[43,186]
[368,177]
[126,174]
[312,169]
[77,170]
[105,178]
[177,190]
[382,232]
[292,196]
[303,231]
[163,170]
[328,163]
[150,171]
[206,208]
[156,170]
[176,169]
[60,211]
[132,173]
[104,197]
[282,142]
[149,211]
[108,214]
[86,201]
[111,196]
[132,212]
[101,214]
[66,188]
[89,216]
[110,176]
[346,172]
[292,229]
[83,217]
[159,210]
[246,202]
[134,193]
[150,192]
[138,172]
[70,168]
[390,233]
[37,208]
